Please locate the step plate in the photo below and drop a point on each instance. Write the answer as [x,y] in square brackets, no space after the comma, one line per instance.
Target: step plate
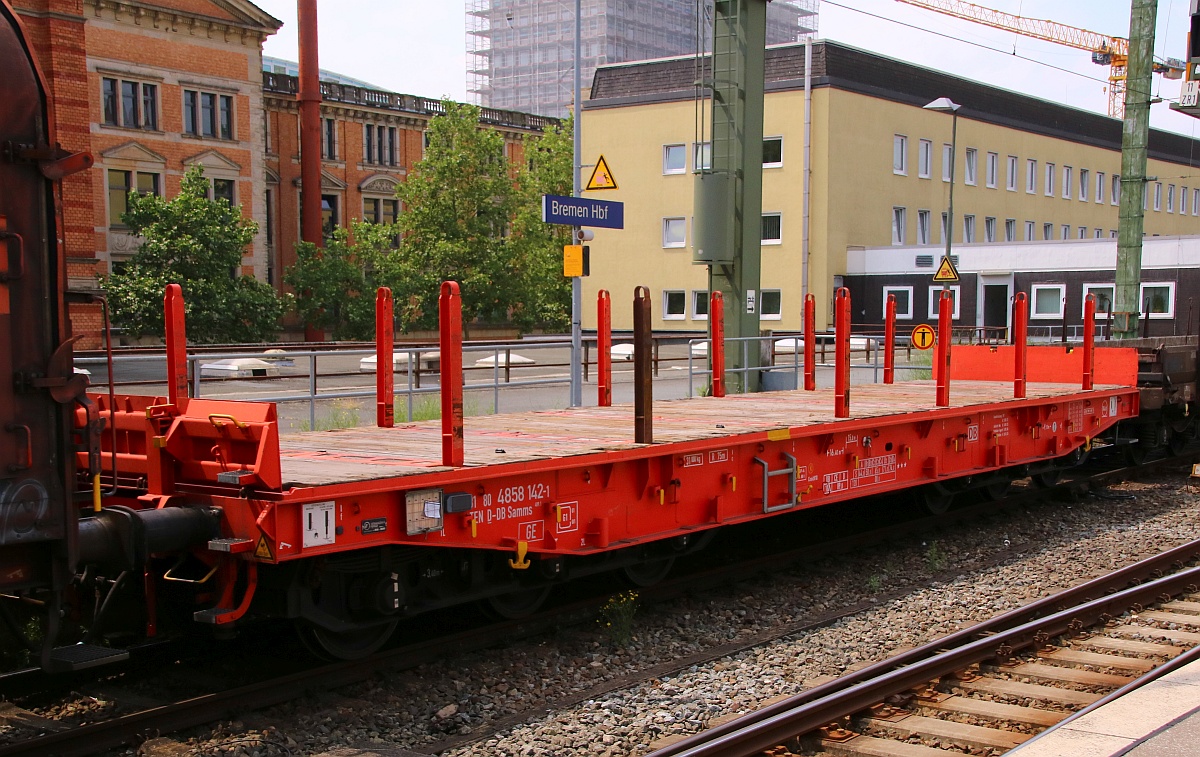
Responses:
[81,656]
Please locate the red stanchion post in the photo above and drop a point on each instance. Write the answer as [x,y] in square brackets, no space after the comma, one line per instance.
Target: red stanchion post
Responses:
[889,341]
[810,343]
[450,345]
[604,348]
[176,337]
[1089,341]
[385,404]
[841,354]
[944,336]
[1020,342]
[716,330]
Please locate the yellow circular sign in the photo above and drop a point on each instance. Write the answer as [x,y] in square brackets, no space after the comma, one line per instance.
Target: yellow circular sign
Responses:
[923,337]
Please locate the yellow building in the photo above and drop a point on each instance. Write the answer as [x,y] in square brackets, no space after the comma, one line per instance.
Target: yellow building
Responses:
[1026,169]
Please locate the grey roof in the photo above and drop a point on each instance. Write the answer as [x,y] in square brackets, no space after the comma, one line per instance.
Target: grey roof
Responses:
[855,70]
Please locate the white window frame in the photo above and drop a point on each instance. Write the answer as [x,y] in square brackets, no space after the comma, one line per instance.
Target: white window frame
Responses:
[900,154]
[1033,291]
[1170,198]
[672,245]
[899,225]
[1115,199]
[1030,230]
[696,315]
[1011,179]
[1087,289]
[673,171]
[947,152]
[766,242]
[1099,234]
[1066,231]
[701,156]
[992,176]
[900,316]
[989,229]
[971,166]
[1068,186]
[666,296]
[935,294]
[1030,176]
[1101,187]
[1050,171]
[1170,285]
[1158,195]
[779,163]
[924,224]
[764,316]
[1085,184]
[1010,229]
[1048,232]
[968,223]
[1183,201]
[1196,202]
[1083,230]
[924,159]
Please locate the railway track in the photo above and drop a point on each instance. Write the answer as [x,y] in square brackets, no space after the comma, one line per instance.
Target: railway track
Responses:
[990,687]
[150,717]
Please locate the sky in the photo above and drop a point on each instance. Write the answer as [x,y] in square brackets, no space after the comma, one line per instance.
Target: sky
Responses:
[418,47]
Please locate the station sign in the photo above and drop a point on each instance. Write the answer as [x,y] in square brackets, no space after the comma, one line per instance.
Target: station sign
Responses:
[581,211]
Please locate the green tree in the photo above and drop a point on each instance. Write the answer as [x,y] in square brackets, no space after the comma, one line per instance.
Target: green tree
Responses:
[197,243]
[537,246]
[473,216]
[335,285]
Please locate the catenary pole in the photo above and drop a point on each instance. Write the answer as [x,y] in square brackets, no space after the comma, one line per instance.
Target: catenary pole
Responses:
[576,180]
[1134,137]
[309,105]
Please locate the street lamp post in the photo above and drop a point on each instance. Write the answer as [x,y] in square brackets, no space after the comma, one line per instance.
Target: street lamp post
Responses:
[946,105]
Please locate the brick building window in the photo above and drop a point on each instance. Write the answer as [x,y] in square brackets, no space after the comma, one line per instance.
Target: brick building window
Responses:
[131,104]
[207,114]
[222,189]
[380,210]
[120,184]
[329,149]
[379,144]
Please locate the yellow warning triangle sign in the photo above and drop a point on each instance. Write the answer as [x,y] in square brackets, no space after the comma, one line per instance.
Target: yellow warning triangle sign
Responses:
[602,177]
[946,271]
[263,550]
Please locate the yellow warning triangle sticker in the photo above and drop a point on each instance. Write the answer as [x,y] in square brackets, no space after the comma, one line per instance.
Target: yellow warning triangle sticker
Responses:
[602,177]
[263,550]
[946,271]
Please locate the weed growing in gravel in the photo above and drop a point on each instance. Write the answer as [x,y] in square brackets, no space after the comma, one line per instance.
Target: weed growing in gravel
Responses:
[341,414]
[874,584]
[617,617]
[935,558]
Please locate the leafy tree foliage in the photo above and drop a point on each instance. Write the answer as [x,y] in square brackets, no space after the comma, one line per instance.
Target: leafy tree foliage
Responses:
[197,243]
[470,215]
[336,285]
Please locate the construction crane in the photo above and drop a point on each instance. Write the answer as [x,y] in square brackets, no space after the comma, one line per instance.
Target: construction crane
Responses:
[1106,50]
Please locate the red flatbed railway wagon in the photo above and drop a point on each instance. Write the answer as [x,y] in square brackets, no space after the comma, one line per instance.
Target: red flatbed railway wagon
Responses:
[350,530]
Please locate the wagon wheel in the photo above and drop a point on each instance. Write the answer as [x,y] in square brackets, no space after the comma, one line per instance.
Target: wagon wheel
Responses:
[1047,478]
[934,498]
[345,645]
[648,572]
[518,603]
[998,489]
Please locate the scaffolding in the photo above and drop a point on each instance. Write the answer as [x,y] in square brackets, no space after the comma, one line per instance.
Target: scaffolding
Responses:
[520,53]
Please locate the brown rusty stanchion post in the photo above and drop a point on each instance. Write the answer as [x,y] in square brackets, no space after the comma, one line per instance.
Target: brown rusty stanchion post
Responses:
[810,343]
[1020,343]
[604,348]
[643,380]
[716,329]
[385,403]
[944,335]
[1089,340]
[450,344]
[889,341]
[841,354]
[176,337]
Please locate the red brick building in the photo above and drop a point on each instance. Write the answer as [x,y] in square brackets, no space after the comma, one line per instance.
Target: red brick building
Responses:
[370,140]
[150,87]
